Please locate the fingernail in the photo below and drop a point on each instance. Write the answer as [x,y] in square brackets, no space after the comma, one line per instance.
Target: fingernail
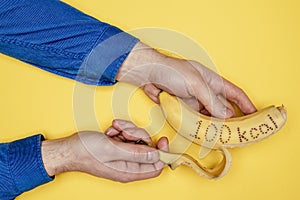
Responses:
[227,113]
[108,132]
[159,165]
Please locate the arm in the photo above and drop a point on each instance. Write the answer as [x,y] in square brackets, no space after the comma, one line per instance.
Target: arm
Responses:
[56,37]
[30,162]
[64,41]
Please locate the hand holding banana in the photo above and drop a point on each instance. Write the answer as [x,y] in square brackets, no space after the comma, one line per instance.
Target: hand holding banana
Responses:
[214,133]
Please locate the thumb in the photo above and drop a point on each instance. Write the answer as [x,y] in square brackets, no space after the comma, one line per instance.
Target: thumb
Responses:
[135,153]
[152,92]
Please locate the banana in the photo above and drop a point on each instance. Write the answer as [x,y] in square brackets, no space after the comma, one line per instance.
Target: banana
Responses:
[216,172]
[213,133]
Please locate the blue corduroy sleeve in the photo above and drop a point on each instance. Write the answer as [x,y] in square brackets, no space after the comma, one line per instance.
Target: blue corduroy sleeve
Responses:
[21,167]
[58,38]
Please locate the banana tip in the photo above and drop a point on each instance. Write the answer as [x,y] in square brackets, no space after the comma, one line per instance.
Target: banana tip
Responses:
[282,110]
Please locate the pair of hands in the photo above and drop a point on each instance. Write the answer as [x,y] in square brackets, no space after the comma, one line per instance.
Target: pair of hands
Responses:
[115,154]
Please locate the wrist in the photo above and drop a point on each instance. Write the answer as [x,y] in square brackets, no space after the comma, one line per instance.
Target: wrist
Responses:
[57,156]
[139,64]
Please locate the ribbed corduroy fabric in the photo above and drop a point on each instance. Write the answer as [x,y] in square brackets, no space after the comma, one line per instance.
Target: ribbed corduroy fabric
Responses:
[21,167]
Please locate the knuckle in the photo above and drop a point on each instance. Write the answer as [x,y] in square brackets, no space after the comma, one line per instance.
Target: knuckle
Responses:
[139,155]
[115,122]
[143,154]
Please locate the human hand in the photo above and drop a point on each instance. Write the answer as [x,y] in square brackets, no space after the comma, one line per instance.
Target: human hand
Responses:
[113,156]
[200,87]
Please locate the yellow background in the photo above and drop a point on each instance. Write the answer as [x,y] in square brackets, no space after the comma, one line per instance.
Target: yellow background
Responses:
[254,43]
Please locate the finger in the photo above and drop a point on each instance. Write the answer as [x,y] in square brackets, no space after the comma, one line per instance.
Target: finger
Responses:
[122,167]
[120,124]
[152,92]
[140,176]
[193,103]
[111,131]
[226,103]
[239,97]
[163,144]
[134,168]
[117,138]
[135,153]
[196,105]
[143,176]
[144,171]
[205,112]
[156,167]
[131,167]
[131,171]
[210,101]
[227,89]
[136,134]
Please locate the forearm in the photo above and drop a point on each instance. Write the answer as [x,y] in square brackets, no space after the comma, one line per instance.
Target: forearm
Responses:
[62,40]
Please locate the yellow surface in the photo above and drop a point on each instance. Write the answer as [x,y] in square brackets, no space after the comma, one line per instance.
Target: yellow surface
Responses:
[254,43]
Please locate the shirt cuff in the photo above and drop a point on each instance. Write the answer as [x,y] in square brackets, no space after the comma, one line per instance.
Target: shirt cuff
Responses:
[26,164]
[103,62]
